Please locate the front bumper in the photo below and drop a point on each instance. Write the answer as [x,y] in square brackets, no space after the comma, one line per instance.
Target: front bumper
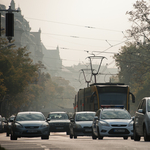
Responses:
[83,131]
[22,132]
[58,127]
[116,131]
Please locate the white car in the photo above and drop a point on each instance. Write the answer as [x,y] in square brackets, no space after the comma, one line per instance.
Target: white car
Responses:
[112,123]
[81,124]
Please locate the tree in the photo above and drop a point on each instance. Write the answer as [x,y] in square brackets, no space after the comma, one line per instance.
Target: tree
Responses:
[17,71]
[134,58]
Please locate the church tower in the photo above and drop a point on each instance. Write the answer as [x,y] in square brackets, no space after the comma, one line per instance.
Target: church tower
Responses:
[12,4]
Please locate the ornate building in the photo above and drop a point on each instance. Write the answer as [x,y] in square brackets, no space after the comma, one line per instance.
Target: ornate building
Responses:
[32,40]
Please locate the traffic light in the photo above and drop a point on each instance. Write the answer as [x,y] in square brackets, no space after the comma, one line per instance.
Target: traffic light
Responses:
[9,24]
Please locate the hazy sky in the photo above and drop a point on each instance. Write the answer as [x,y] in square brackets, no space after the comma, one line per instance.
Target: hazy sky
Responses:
[78,26]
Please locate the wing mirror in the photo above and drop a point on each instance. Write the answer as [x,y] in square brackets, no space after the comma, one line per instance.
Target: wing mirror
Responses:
[95,118]
[48,119]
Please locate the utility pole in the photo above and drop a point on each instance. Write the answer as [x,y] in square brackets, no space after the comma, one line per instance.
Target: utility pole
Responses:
[9,24]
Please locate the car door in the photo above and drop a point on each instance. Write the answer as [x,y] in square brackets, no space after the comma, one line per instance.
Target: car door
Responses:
[142,116]
[139,118]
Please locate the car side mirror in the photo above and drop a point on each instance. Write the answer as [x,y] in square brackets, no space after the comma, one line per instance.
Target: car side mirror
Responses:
[140,111]
[48,119]
[71,120]
[133,118]
[95,118]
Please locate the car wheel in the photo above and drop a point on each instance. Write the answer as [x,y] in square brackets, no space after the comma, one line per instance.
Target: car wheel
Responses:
[71,136]
[12,137]
[99,136]
[45,137]
[94,137]
[7,134]
[136,136]
[75,136]
[146,137]
[132,137]
[125,137]
[67,133]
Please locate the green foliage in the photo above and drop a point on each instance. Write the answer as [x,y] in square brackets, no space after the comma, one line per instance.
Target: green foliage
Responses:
[133,58]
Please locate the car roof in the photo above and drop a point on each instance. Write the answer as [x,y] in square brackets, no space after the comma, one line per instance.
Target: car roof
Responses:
[54,112]
[113,109]
[29,112]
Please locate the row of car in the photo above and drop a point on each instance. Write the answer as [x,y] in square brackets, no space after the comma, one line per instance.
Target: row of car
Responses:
[106,122]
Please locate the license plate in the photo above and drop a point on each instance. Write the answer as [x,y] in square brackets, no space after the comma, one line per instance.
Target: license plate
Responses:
[31,131]
[119,130]
[88,130]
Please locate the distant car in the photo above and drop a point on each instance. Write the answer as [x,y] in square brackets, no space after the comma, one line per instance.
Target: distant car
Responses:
[1,124]
[141,124]
[59,122]
[112,123]
[30,124]
[4,123]
[8,125]
[81,124]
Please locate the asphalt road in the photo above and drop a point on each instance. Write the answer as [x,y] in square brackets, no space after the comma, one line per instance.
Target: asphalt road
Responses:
[61,141]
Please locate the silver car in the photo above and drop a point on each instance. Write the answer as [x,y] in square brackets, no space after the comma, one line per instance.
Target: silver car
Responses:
[112,123]
[141,124]
[81,124]
[30,124]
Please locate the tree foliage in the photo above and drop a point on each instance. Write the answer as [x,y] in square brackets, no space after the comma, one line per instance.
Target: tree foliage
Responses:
[134,58]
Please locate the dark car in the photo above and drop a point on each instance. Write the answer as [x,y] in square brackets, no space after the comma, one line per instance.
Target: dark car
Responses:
[30,124]
[1,124]
[4,123]
[141,124]
[59,122]
[8,125]
[81,124]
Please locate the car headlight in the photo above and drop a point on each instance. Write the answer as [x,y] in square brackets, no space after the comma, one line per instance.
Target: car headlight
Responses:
[77,126]
[18,125]
[130,124]
[104,123]
[44,125]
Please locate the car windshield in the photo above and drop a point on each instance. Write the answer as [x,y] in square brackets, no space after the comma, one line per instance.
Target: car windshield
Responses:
[30,117]
[115,114]
[85,116]
[58,116]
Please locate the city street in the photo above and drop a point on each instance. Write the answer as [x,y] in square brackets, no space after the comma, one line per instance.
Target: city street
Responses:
[61,141]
